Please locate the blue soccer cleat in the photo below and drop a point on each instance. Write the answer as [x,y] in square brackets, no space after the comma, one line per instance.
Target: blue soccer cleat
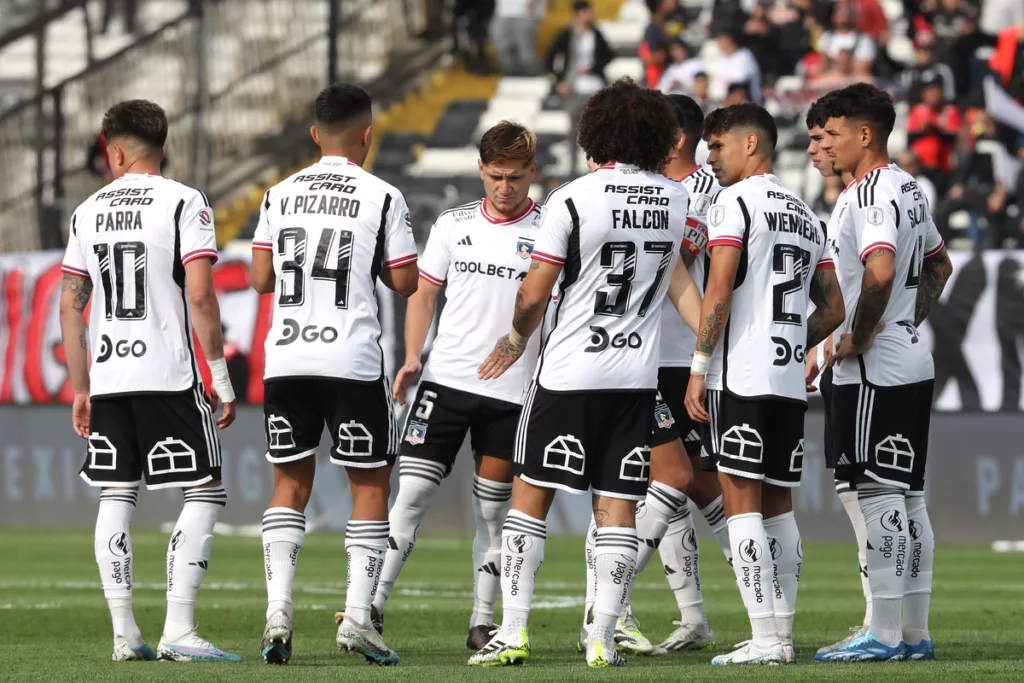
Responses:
[920,652]
[866,648]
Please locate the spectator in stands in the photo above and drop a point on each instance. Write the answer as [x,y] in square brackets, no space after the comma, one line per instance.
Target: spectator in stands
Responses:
[470,19]
[843,36]
[1008,60]
[700,94]
[736,65]
[762,38]
[514,34]
[998,14]
[577,60]
[926,68]
[739,93]
[678,77]
[726,15]
[932,129]
[870,21]
[653,50]
[840,73]
[793,37]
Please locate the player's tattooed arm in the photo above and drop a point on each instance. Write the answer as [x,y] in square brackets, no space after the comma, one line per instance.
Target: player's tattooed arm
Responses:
[714,312]
[79,289]
[830,310]
[74,296]
[934,274]
[879,274]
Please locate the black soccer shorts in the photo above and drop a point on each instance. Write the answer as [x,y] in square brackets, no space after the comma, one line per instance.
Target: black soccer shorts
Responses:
[755,438]
[359,416]
[671,421]
[169,438]
[882,433]
[826,388]
[437,422]
[588,440]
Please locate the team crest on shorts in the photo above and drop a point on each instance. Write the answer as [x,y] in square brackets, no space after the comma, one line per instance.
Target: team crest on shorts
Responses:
[524,247]
[416,433]
[663,416]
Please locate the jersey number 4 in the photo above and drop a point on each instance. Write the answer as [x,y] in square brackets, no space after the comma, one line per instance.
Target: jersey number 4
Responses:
[128,280]
[615,302]
[293,293]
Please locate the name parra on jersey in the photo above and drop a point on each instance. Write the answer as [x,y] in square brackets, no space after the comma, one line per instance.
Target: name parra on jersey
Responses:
[617,232]
[761,351]
[331,228]
[885,210]
[482,260]
[132,239]
[677,339]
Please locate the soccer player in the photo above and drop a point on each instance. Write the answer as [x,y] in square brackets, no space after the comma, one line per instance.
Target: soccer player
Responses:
[892,267]
[768,259]
[613,236]
[479,254]
[816,119]
[149,244]
[325,236]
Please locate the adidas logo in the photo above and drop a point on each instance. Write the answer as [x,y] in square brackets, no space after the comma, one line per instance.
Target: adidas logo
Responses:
[391,543]
[202,564]
[669,571]
[465,241]
[843,460]
[652,542]
[490,568]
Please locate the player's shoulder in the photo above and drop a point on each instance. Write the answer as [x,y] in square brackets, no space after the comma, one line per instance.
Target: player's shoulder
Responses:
[462,213]
[702,181]
[881,185]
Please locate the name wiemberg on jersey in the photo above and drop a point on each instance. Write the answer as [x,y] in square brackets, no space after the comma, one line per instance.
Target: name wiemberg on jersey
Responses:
[640,219]
[794,219]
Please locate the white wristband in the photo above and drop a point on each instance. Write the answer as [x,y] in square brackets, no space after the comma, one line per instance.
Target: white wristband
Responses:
[220,380]
[700,363]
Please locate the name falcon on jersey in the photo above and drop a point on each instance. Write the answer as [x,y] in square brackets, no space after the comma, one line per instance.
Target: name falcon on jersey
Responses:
[632,219]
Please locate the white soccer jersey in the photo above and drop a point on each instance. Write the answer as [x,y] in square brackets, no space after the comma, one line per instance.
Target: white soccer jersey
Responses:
[885,210]
[617,232]
[761,352]
[331,228]
[482,260]
[133,239]
[677,339]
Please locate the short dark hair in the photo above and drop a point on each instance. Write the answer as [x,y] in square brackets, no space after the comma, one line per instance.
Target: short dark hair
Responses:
[866,104]
[627,123]
[140,119]
[817,115]
[746,115]
[508,141]
[689,117]
[337,105]
[580,5]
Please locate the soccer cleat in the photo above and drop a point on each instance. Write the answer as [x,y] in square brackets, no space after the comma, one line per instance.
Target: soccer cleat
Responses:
[749,654]
[865,648]
[629,638]
[365,641]
[276,645]
[855,633]
[376,619]
[920,652]
[191,648]
[597,659]
[689,637]
[123,652]
[788,654]
[505,649]
[479,636]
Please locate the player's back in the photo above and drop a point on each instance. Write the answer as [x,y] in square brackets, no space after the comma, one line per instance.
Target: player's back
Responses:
[621,229]
[133,239]
[782,242]
[331,228]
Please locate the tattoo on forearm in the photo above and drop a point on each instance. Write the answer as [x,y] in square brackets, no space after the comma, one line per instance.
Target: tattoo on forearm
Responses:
[874,297]
[711,329]
[83,341]
[81,289]
[825,317]
[534,264]
[934,274]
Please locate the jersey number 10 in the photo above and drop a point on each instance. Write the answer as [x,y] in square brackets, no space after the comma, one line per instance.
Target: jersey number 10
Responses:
[135,253]
[294,293]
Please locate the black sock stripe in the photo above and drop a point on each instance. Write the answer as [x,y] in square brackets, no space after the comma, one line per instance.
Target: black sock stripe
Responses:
[485,484]
[668,501]
[271,527]
[511,521]
[663,493]
[283,515]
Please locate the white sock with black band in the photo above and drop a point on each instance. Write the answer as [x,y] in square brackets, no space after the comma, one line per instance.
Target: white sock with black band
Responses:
[615,551]
[661,504]
[885,517]
[365,542]
[680,557]
[522,553]
[787,556]
[752,565]
[284,532]
[917,593]
[490,507]
[112,543]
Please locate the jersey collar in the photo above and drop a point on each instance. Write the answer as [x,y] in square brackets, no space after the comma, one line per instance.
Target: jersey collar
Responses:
[494,220]
[337,161]
[611,165]
[857,180]
[690,173]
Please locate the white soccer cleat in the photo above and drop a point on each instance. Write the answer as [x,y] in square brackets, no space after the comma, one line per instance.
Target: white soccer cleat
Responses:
[751,655]
[689,637]
[788,654]
[365,641]
[139,652]
[855,633]
[276,645]
[191,648]
[629,638]
[507,648]
[600,656]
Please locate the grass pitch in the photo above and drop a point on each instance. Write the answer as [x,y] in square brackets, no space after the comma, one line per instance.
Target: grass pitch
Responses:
[54,624]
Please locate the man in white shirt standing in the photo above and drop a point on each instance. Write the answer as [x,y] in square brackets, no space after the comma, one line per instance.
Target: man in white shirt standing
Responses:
[736,65]
[514,32]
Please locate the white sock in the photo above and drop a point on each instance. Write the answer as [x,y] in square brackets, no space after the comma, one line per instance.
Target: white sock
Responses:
[752,564]
[188,556]
[661,504]
[284,531]
[917,593]
[588,602]
[714,515]
[365,542]
[787,556]
[114,558]
[490,506]
[615,553]
[680,558]
[885,516]
[848,497]
[418,481]
[522,554]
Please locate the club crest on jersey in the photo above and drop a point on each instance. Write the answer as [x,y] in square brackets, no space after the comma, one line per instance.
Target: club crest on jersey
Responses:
[716,214]
[663,416]
[408,221]
[524,247]
[416,433]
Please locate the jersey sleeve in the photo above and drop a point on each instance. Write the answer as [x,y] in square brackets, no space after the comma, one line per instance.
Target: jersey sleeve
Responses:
[262,240]
[198,236]
[727,222]
[552,244]
[436,255]
[695,236]
[74,260]
[826,254]
[874,218]
[399,244]
[933,244]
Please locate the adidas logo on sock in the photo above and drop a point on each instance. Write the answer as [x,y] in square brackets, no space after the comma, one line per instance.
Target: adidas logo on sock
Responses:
[391,543]
[652,542]
[489,568]
[202,564]
[465,241]
[669,571]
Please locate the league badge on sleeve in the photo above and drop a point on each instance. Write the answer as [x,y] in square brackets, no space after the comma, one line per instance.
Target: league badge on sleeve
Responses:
[524,247]
[416,433]
[716,214]
[874,215]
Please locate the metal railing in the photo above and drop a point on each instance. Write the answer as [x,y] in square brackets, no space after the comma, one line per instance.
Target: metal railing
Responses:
[229,73]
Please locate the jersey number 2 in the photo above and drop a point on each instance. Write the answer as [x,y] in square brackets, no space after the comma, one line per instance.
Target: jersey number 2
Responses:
[616,302]
[785,256]
[135,252]
[292,268]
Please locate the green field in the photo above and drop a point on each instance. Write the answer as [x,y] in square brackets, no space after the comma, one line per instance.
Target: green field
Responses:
[54,624]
